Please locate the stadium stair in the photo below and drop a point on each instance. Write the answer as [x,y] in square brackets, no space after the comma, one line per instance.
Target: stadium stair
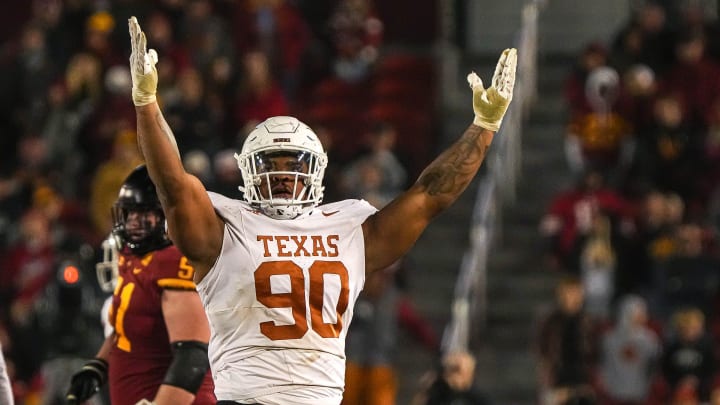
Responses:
[519,284]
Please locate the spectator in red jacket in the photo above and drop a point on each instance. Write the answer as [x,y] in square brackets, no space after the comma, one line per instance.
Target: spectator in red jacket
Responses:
[572,211]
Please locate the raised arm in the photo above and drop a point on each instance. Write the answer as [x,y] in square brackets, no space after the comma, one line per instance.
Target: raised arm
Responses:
[192,223]
[391,232]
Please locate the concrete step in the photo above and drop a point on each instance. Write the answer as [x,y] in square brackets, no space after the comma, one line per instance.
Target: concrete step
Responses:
[544,135]
[495,376]
[412,362]
[512,285]
[519,281]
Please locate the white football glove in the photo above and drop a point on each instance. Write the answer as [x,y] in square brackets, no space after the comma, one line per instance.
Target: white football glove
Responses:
[142,66]
[490,105]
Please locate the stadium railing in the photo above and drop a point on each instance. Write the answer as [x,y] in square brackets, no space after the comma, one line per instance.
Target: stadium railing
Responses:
[496,187]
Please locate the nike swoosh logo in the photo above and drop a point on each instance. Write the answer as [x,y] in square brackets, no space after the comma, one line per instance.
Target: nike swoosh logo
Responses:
[327,214]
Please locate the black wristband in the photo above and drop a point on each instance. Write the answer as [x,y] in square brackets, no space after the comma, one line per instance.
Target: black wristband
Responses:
[98,365]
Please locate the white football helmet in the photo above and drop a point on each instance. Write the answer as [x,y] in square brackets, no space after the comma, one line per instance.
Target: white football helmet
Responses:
[290,137]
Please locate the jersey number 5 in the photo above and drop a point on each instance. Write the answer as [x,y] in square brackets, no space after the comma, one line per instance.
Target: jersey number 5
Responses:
[295,299]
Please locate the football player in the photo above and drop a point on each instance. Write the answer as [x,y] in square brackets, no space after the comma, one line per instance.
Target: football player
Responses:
[157,351]
[278,273]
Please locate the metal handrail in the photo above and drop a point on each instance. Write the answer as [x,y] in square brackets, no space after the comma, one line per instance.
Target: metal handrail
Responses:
[497,186]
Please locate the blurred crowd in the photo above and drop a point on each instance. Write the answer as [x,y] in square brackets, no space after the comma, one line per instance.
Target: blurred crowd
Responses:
[68,137]
[637,317]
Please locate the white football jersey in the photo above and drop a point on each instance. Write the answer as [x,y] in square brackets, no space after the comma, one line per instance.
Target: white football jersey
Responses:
[280,299]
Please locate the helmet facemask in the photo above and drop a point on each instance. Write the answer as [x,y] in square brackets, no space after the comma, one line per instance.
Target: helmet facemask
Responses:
[138,199]
[283,192]
[107,269]
[282,164]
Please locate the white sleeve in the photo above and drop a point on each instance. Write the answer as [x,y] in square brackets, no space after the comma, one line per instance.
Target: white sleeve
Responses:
[105,317]
[6,396]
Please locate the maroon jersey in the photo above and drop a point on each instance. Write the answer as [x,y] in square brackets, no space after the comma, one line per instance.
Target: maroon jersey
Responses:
[141,353]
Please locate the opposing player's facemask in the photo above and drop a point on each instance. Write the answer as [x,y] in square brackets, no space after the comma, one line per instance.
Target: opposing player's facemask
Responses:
[107,269]
[282,163]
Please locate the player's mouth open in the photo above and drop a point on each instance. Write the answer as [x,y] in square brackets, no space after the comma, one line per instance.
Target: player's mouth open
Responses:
[137,234]
[281,192]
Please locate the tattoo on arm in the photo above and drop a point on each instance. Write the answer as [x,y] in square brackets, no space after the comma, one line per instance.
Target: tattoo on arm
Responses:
[165,128]
[452,171]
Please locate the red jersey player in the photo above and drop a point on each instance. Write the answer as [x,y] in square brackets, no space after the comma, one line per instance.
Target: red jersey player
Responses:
[158,351]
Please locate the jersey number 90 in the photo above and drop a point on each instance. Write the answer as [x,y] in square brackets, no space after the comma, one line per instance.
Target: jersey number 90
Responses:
[295,299]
